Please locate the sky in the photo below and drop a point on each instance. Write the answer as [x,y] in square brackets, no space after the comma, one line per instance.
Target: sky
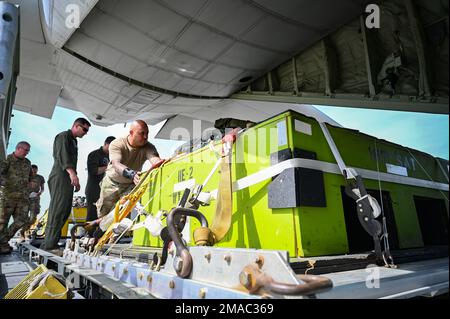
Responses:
[422,131]
[425,132]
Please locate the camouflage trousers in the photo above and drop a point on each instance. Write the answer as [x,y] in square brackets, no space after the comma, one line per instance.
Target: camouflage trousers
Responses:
[35,207]
[13,205]
[110,193]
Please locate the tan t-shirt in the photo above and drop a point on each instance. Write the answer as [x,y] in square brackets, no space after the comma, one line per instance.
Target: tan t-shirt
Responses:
[132,157]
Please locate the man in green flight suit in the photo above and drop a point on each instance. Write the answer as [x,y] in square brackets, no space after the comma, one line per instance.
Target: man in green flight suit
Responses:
[62,180]
[15,173]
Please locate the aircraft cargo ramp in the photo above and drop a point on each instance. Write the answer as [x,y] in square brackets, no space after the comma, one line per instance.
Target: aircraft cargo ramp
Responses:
[124,275]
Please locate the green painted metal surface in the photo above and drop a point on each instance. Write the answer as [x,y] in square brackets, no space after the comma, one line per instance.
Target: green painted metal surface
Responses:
[302,231]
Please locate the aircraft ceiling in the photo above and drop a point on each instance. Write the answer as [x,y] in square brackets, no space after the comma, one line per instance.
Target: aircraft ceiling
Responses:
[155,59]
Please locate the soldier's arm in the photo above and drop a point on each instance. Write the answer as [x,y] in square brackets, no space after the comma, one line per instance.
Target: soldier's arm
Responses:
[115,156]
[74,181]
[118,166]
[101,169]
[92,165]
[63,154]
[65,160]
[4,166]
[42,186]
[152,154]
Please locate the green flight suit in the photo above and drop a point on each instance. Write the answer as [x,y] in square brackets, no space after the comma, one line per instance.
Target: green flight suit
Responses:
[65,155]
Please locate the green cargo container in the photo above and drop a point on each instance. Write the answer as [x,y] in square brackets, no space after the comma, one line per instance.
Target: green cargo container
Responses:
[303,210]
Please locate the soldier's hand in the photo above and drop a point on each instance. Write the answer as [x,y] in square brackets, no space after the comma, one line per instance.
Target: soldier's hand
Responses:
[137,178]
[74,181]
[89,226]
[157,162]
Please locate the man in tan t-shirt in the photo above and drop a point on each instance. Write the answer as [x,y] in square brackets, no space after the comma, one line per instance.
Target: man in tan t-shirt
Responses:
[127,155]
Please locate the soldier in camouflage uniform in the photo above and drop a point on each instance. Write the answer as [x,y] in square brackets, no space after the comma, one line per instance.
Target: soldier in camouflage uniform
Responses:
[15,174]
[37,183]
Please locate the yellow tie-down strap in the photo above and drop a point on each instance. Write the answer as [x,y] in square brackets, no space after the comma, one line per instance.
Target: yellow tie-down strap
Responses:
[222,218]
[129,201]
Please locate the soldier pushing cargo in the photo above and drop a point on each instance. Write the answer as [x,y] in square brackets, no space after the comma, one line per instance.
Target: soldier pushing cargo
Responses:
[127,155]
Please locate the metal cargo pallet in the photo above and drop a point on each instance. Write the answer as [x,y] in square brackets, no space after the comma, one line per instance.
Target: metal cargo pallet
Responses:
[313,265]
[216,275]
